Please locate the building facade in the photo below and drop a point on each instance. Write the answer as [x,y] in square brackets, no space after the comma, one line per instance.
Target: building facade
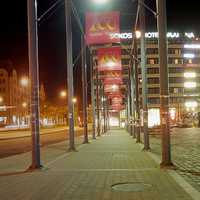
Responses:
[14,96]
[183,68]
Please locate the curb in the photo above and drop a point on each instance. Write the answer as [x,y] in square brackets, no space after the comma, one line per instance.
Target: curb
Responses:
[194,194]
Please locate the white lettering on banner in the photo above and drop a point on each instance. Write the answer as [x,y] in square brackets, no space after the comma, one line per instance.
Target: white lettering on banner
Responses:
[150,35]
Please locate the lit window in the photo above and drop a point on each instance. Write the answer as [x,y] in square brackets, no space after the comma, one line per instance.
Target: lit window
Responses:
[189,74]
[190,61]
[176,61]
[151,61]
[190,84]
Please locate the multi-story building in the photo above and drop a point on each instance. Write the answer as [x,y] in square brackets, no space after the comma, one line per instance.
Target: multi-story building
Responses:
[183,67]
[13,96]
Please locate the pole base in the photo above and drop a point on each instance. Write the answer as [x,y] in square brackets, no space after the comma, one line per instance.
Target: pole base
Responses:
[34,167]
[167,165]
[146,149]
[86,142]
[94,138]
[72,149]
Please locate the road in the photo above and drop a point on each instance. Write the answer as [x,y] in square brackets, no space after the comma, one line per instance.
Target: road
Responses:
[185,144]
[16,142]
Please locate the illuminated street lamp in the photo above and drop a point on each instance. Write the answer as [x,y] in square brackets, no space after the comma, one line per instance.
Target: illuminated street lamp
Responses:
[1,99]
[74,100]
[24,104]
[100,1]
[24,81]
[63,93]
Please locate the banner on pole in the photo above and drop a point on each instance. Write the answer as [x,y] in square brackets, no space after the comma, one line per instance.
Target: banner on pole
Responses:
[100,26]
[109,59]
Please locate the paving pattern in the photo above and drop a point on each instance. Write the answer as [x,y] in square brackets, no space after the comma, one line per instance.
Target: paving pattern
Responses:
[185,144]
[90,174]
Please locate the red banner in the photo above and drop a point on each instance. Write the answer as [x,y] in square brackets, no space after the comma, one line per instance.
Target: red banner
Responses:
[100,26]
[108,81]
[116,100]
[111,88]
[109,59]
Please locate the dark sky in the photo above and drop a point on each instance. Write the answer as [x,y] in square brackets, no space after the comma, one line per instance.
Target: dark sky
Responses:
[182,16]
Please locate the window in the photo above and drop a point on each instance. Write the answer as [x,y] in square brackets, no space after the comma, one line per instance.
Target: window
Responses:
[152,61]
[153,90]
[190,61]
[153,70]
[154,100]
[176,61]
[153,80]
[151,51]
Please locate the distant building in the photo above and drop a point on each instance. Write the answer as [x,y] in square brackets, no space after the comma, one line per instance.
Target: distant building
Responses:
[14,96]
[183,67]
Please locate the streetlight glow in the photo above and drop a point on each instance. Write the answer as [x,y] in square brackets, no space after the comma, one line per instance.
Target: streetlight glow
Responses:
[99,1]
[1,99]
[63,93]
[24,81]
[74,100]
[24,104]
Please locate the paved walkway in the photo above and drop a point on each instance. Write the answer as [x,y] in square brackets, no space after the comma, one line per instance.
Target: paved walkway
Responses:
[90,173]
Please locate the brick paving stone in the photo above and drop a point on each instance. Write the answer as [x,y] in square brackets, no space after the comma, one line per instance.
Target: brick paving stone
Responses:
[89,174]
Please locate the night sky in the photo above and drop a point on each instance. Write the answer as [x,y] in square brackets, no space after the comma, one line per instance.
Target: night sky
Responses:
[182,16]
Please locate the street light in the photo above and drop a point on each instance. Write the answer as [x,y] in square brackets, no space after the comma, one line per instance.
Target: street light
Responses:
[74,100]
[24,81]
[63,93]
[99,1]
[24,104]
[1,99]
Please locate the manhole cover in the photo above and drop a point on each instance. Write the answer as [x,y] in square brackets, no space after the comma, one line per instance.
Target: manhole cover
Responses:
[131,187]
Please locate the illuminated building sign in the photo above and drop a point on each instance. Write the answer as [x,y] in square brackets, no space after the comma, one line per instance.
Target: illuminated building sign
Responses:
[151,35]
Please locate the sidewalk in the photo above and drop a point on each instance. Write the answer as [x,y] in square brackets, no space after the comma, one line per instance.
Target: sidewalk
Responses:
[90,173]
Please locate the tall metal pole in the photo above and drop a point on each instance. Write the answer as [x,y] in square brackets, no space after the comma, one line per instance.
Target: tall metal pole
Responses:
[130,103]
[84,89]
[92,96]
[164,83]
[68,9]
[104,111]
[34,82]
[144,77]
[132,89]
[137,102]
[97,103]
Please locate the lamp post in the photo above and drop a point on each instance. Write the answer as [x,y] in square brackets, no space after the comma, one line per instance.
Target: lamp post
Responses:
[34,82]
[84,89]
[68,11]
[144,77]
[164,83]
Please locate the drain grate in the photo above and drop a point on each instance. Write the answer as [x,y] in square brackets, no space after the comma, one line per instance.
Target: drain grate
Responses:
[131,187]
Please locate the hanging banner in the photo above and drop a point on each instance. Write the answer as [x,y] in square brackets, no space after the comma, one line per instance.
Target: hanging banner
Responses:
[116,100]
[109,59]
[100,26]
[108,81]
[111,88]
[113,95]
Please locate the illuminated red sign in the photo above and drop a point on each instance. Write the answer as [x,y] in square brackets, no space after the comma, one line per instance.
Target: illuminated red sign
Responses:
[109,59]
[100,27]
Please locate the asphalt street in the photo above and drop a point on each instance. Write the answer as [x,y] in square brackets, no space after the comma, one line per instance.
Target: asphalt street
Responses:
[16,142]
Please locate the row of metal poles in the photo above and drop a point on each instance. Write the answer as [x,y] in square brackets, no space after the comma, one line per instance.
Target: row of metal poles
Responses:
[133,97]
[98,109]
[133,102]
